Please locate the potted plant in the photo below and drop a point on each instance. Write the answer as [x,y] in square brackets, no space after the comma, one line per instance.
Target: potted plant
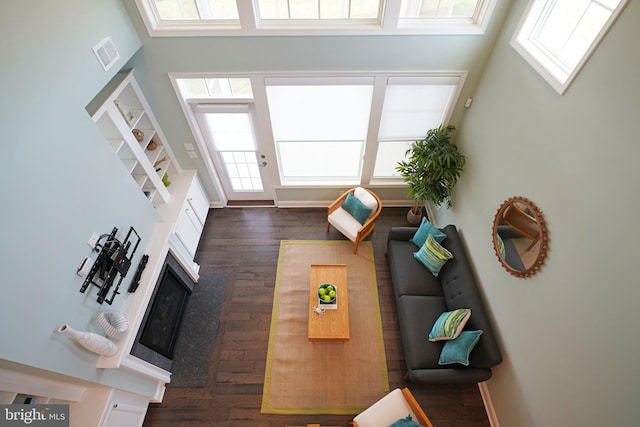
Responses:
[431,170]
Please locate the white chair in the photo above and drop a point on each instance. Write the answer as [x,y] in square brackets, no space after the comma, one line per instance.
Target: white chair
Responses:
[347,224]
[397,404]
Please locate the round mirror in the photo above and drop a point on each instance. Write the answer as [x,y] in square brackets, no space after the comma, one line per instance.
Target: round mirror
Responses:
[520,236]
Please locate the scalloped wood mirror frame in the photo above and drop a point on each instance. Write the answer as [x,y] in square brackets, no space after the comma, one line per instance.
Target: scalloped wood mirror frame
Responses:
[520,237]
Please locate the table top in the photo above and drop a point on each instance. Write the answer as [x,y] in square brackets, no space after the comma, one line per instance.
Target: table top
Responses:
[333,325]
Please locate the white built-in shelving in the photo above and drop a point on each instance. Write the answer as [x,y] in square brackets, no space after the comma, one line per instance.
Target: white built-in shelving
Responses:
[121,112]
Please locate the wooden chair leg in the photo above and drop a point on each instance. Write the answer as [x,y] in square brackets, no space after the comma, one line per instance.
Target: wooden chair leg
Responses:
[328,226]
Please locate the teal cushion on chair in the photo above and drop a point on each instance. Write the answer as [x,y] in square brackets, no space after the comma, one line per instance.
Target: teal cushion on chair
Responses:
[356,208]
[458,350]
[406,422]
[432,255]
[424,230]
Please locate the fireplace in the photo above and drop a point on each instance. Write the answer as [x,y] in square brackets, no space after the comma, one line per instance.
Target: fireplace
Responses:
[161,324]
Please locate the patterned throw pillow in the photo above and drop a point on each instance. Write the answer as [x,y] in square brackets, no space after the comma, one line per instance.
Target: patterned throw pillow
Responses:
[356,208]
[501,247]
[432,255]
[458,350]
[449,324]
[424,230]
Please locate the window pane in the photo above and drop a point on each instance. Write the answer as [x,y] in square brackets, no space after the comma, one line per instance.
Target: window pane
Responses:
[318,9]
[320,160]
[303,9]
[409,111]
[331,112]
[334,9]
[241,168]
[555,36]
[215,88]
[365,9]
[172,10]
[438,8]
[230,131]
[273,9]
[571,28]
[389,154]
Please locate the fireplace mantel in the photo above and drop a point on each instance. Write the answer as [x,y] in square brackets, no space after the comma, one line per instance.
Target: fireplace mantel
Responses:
[135,306]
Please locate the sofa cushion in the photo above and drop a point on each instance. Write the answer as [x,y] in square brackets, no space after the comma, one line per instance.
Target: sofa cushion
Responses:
[458,350]
[432,255]
[461,291]
[424,230]
[416,314]
[449,325]
[345,223]
[409,277]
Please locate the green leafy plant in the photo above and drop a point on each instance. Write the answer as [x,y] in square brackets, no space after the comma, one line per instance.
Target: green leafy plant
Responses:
[432,168]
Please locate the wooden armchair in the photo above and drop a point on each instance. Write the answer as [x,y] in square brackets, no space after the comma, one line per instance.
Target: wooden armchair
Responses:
[522,222]
[347,224]
[386,411]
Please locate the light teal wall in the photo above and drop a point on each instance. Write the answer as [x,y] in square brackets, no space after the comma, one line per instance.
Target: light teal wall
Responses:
[569,333]
[61,180]
[163,55]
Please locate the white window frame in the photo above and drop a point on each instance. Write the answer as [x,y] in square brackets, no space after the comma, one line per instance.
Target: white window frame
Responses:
[263,125]
[320,81]
[559,76]
[388,23]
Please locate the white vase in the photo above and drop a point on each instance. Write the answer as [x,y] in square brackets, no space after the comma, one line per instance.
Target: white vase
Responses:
[92,342]
[114,323]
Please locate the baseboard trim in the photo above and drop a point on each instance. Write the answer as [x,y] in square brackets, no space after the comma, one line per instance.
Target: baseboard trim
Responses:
[488,404]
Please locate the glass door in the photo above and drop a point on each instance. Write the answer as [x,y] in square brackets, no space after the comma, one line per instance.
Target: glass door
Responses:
[229,133]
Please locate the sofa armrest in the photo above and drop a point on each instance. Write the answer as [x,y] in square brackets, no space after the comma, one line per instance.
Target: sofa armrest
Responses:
[401,233]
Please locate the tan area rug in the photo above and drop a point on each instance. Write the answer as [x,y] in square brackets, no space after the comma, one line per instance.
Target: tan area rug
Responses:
[304,377]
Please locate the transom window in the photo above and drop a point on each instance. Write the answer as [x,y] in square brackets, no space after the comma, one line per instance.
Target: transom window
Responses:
[318,9]
[557,36]
[306,17]
[438,8]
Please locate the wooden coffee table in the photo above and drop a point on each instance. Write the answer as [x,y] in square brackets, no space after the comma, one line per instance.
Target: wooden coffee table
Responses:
[333,325]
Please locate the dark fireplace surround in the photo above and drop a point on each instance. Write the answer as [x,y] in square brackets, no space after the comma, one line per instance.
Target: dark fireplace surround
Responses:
[156,339]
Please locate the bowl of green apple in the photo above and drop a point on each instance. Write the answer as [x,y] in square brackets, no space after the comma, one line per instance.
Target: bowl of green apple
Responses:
[327,293]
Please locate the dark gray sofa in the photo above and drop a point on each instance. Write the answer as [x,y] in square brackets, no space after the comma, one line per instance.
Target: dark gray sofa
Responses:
[421,298]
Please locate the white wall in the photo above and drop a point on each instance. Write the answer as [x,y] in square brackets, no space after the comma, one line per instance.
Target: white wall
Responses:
[61,180]
[568,334]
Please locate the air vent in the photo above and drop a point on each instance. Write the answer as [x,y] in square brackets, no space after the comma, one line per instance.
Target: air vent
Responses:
[106,52]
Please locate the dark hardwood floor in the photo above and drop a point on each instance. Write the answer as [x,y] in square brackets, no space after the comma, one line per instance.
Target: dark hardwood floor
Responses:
[244,243]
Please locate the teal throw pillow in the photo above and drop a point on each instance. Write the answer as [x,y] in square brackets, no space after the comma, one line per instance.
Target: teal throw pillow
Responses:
[424,230]
[458,350]
[356,208]
[405,422]
[449,325]
[432,255]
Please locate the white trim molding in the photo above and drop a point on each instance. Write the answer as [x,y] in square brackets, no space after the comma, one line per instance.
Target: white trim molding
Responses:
[488,404]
